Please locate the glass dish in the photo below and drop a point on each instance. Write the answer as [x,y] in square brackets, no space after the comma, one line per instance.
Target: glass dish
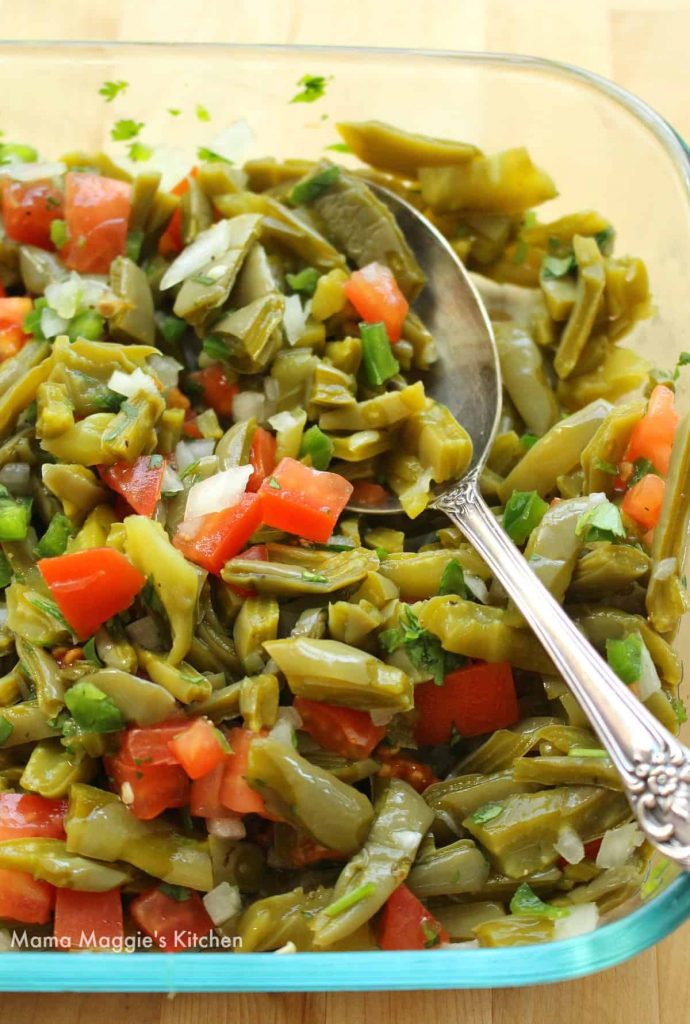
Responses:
[606,150]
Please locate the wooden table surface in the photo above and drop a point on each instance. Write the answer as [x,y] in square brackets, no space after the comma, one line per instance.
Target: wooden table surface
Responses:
[642,44]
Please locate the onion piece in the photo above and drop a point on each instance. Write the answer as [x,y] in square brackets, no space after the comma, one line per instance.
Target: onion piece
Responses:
[33,171]
[230,826]
[287,721]
[171,482]
[223,902]
[131,384]
[618,844]
[248,405]
[649,681]
[570,846]
[206,246]
[233,142]
[294,319]
[166,369]
[52,323]
[223,490]
[188,452]
[382,716]
[16,477]
[286,950]
[477,587]
[580,920]
[665,569]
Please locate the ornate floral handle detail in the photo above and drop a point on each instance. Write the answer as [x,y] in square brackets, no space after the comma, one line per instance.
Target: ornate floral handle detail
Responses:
[654,766]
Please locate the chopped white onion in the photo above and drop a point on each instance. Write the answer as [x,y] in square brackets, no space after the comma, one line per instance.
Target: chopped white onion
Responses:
[407,840]
[206,246]
[223,490]
[233,142]
[649,681]
[131,384]
[248,405]
[67,297]
[477,587]
[230,826]
[52,323]
[665,569]
[581,919]
[381,716]
[188,452]
[294,319]
[470,944]
[271,389]
[618,844]
[166,369]
[33,171]
[144,633]
[16,477]
[287,721]
[223,902]
[283,420]
[570,846]
[287,949]
[127,793]
[171,481]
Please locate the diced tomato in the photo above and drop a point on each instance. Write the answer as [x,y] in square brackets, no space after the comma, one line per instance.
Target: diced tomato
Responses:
[88,918]
[174,924]
[236,794]
[176,399]
[591,851]
[12,340]
[476,699]
[399,766]
[375,294]
[23,898]
[28,210]
[652,437]
[97,213]
[91,586]
[204,798]
[343,730]
[170,242]
[199,748]
[303,501]
[148,790]
[644,500]
[13,312]
[190,427]
[365,492]
[218,390]
[3,293]
[29,816]
[303,850]
[407,924]
[211,540]
[263,457]
[139,482]
[150,746]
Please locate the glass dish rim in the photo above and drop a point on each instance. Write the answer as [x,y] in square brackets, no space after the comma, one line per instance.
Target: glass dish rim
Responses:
[609,945]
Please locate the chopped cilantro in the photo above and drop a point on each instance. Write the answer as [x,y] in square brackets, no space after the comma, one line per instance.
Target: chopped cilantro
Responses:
[605,239]
[305,282]
[679,710]
[174,111]
[210,156]
[313,88]
[557,266]
[431,930]
[606,467]
[453,579]
[59,235]
[313,577]
[6,730]
[139,152]
[641,467]
[422,648]
[487,813]
[528,440]
[125,129]
[92,709]
[339,147]
[310,188]
[112,89]
[202,113]
[175,892]
[525,902]
[601,522]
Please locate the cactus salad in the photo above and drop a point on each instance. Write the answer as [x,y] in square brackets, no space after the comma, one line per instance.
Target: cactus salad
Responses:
[233,712]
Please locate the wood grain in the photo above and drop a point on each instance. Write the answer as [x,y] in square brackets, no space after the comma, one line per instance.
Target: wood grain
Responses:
[643,45]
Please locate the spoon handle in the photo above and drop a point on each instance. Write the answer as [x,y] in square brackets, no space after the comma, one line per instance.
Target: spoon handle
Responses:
[654,766]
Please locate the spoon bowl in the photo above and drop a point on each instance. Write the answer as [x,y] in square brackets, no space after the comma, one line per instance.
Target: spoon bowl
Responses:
[654,766]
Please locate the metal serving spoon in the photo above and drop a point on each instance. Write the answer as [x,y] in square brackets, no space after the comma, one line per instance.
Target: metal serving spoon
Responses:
[654,766]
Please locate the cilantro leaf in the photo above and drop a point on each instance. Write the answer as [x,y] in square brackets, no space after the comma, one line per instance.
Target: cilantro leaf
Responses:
[175,892]
[174,111]
[339,147]
[525,902]
[601,522]
[487,812]
[6,730]
[202,113]
[422,648]
[606,467]
[605,239]
[641,467]
[139,152]
[529,440]
[313,88]
[453,580]
[310,188]
[210,156]
[112,89]
[125,129]
[92,709]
